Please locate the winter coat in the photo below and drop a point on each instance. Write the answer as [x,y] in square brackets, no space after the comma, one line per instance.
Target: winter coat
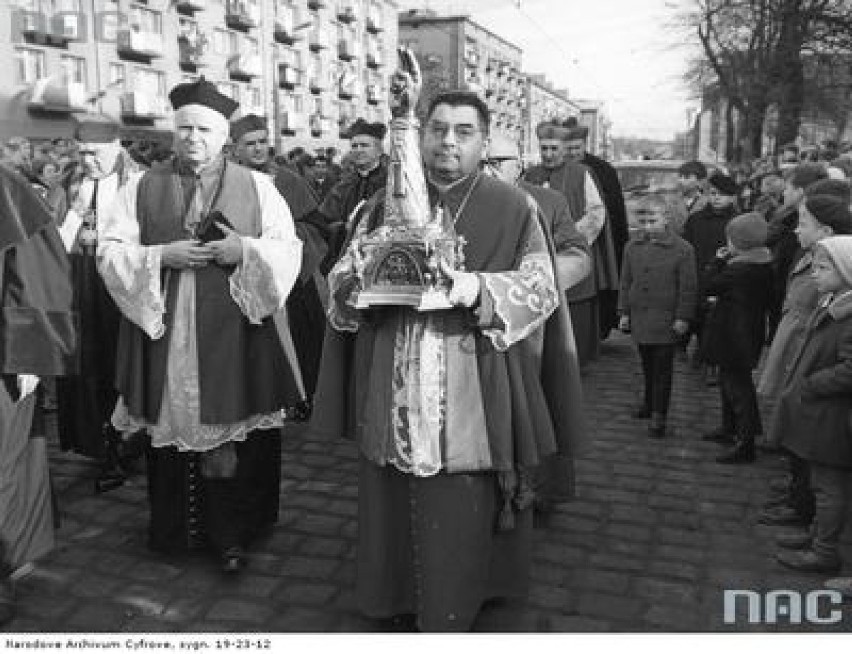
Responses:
[812,419]
[799,304]
[735,328]
[658,286]
[705,232]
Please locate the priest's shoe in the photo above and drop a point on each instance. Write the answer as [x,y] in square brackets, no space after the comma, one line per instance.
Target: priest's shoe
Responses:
[794,541]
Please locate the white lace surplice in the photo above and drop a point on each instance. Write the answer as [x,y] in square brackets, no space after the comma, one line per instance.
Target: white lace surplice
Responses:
[259,286]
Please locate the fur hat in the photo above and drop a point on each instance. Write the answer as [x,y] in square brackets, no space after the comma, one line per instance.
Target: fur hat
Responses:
[246,124]
[839,250]
[549,129]
[577,133]
[204,93]
[747,231]
[723,183]
[693,169]
[806,174]
[831,212]
[362,127]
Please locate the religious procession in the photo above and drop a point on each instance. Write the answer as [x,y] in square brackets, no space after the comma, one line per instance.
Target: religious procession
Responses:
[183,319]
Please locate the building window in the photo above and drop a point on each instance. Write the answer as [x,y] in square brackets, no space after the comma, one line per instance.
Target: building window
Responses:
[116,75]
[30,64]
[187,29]
[254,97]
[145,20]
[74,69]
[149,82]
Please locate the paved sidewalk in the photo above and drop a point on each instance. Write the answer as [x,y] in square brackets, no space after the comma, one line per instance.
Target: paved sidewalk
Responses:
[657,532]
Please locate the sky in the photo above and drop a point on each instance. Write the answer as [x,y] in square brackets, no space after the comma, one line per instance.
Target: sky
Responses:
[622,52]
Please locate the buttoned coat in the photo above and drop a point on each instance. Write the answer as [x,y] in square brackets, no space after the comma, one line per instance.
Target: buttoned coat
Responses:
[658,286]
[813,411]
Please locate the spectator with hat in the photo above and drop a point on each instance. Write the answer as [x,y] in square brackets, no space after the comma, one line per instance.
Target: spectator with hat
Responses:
[87,399]
[737,288]
[781,238]
[575,181]
[705,232]
[354,188]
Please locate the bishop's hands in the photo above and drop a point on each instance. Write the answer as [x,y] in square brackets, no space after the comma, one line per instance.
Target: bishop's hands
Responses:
[464,286]
[192,253]
[405,85]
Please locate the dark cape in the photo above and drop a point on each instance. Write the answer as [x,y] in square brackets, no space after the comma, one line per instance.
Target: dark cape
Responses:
[445,527]
[616,216]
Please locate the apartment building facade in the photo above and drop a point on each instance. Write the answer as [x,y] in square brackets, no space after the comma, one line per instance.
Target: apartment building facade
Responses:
[310,66]
[455,52]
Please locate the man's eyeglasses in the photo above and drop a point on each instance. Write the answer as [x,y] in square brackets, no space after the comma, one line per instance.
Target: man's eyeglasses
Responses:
[462,132]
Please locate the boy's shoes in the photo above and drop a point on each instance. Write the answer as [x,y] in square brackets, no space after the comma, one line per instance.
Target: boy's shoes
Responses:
[741,452]
[783,516]
[809,561]
[640,411]
[794,541]
[718,435]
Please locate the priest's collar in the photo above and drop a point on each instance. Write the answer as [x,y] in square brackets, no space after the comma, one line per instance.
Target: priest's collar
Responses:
[452,194]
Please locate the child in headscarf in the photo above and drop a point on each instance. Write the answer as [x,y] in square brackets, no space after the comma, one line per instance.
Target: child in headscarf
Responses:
[813,412]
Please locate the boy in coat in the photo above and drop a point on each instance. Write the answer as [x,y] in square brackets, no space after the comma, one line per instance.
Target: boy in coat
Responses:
[738,290]
[656,302]
[814,407]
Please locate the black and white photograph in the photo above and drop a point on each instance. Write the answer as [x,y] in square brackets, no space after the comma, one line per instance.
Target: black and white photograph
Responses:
[400,317]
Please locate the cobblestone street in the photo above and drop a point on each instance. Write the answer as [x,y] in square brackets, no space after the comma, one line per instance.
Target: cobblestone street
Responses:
[657,532]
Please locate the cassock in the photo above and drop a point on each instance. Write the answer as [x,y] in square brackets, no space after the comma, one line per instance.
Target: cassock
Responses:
[37,337]
[578,185]
[450,412]
[87,399]
[200,363]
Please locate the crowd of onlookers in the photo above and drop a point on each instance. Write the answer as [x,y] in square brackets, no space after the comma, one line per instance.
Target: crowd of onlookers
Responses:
[54,162]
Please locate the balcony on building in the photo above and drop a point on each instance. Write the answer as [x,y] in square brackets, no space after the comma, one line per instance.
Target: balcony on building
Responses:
[374,23]
[346,49]
[190,6]
[316,5]
[190,52]
[245,66]
[374,93]
[141,106]
[291,122]
[345,11]
[289,77]
[319,39]
[242,15]
[347,89]
[289,28]
[52,95]
[318,81]
[374,56]
[137,44]
[57,31]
